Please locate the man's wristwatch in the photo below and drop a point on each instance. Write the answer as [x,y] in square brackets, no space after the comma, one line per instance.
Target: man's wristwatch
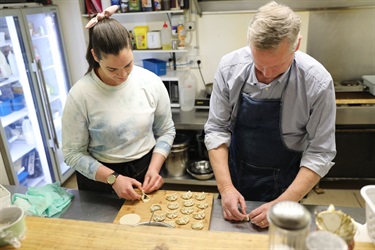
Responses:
[111,179]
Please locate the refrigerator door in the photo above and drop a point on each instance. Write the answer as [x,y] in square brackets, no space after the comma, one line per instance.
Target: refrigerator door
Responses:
[50,66]
[22,141]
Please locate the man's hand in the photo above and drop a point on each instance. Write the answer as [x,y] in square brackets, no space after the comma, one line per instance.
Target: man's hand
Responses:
[230,199]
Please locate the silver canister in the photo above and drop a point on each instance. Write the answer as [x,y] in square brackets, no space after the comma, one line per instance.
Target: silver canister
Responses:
[289,225]
[177,160]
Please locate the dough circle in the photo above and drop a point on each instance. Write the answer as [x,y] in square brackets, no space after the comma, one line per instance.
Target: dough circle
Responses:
[130,219]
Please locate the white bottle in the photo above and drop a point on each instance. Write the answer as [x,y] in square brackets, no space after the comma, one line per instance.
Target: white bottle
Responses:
[166,37]
[27,130]
[13,63]
[187,91]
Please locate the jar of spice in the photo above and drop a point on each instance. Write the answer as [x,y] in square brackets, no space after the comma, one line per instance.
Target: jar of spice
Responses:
[289,225]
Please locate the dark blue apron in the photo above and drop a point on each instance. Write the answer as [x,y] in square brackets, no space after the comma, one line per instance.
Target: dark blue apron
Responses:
[261,166]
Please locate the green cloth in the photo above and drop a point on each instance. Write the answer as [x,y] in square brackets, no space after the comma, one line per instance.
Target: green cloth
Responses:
[44,201]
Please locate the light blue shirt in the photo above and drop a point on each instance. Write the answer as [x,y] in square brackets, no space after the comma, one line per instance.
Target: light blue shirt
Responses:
[308,111]
[116,124]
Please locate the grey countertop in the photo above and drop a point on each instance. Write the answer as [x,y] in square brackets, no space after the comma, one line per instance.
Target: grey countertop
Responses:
[91,206]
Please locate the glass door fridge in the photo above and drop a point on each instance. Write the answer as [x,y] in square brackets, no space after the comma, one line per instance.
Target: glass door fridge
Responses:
[34,85]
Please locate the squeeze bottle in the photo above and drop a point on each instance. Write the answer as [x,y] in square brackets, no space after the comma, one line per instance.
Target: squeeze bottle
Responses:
[27,130]
[166,37]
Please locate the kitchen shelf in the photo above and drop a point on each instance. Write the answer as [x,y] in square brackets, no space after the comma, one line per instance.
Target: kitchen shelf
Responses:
[9,80]
[172,75]
[187,180]
[33,182]
[189,120]
[14,116]
[19,148]
[141,13]
[6,43]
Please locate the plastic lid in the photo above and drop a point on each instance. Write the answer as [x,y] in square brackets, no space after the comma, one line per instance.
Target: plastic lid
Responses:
[324,240]
[289,215]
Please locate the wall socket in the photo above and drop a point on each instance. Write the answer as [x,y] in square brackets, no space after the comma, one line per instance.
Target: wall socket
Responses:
[190,26]
[193,59]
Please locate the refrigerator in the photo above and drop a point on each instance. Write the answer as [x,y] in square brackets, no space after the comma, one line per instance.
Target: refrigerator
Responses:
[34,83]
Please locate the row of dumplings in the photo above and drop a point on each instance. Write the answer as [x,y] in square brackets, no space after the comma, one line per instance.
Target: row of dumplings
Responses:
[187,209]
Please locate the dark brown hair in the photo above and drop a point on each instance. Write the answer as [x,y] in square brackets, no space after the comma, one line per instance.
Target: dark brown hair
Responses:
[108,36]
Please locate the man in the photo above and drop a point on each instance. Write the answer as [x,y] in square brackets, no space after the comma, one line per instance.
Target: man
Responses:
[271,127]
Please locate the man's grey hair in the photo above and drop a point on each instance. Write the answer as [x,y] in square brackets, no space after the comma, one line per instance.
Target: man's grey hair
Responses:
[272,24]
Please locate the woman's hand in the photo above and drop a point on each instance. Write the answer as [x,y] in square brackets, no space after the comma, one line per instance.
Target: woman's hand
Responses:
[124,188]
[153,181]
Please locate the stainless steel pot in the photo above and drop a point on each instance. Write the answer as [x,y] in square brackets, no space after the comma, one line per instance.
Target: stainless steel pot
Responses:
[177,160]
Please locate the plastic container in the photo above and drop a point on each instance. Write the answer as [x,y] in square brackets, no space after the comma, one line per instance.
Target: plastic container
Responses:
[154,39]
[27,130]
[159,67]
[324,240]
[5,107]
[135,5]
[22,178]
[18,102]
[187,91]
[13,63]
[166,37]
[140,37]
[147,5]
[166,5]
[368,194]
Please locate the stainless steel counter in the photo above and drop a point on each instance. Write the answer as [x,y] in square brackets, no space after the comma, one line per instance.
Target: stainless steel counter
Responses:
[219,224]
[90,206]
[189,120]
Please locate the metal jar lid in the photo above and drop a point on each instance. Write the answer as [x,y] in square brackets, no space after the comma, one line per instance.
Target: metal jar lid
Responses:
[289,215]
[181,141]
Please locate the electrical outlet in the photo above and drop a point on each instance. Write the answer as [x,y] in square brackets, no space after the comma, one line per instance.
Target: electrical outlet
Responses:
[190,26]
[193,61]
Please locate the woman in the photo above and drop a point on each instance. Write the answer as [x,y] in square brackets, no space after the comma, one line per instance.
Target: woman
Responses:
[117,122]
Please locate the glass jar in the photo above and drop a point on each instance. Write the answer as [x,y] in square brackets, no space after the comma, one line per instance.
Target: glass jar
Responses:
[289,225]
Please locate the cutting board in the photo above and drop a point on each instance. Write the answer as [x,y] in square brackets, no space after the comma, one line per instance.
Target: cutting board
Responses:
[143,209]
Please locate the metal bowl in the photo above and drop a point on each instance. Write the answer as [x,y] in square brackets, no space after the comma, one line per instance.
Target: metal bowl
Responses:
[201,176]
[200,167]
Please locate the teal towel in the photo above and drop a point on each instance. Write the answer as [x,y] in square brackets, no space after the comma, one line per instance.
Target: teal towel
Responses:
[45,201]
